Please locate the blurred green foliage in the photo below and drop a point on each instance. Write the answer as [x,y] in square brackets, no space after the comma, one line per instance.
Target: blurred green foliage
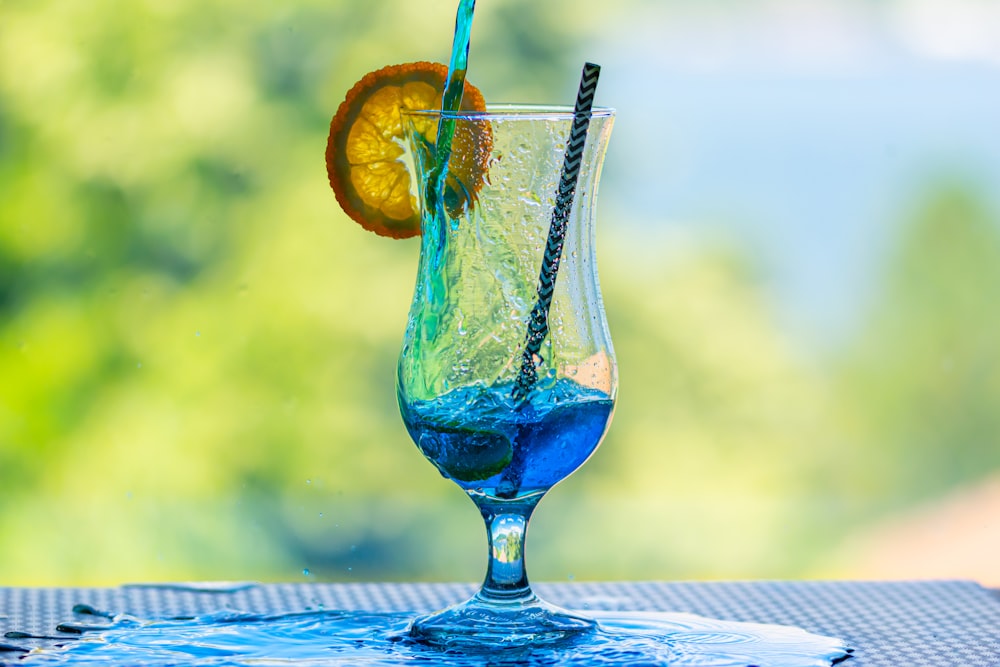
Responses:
[923,380]
[197,348]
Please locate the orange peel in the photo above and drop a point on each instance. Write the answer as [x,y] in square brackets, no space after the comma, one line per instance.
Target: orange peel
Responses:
[365,147]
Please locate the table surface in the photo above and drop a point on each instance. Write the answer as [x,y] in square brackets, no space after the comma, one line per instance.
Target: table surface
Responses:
[891,624]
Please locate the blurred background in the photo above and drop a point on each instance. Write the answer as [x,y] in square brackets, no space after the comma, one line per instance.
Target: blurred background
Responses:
[800,254]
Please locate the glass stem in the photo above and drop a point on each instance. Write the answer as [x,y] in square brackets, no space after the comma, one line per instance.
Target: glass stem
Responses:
[506,525]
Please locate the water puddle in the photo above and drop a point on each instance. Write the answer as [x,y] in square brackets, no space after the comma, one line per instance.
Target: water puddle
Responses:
[368,639]
[221,587]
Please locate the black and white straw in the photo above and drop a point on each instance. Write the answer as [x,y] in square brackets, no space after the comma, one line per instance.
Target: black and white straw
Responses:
[538,323]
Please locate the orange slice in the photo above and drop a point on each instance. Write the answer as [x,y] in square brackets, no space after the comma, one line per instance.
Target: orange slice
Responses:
[365,147]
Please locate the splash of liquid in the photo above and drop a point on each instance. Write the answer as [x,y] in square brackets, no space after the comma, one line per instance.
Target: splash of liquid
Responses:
[369,639]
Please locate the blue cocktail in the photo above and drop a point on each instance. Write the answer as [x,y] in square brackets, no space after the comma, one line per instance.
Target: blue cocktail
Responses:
[502,410]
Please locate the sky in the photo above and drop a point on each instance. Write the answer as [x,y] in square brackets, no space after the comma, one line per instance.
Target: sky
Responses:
[806,131]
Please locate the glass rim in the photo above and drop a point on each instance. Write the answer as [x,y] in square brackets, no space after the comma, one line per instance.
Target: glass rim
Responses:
[510,111]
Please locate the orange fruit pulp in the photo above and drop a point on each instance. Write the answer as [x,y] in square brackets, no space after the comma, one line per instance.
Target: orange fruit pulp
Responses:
[366,145]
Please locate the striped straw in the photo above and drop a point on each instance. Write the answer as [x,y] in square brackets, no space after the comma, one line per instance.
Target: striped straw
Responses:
[538,323]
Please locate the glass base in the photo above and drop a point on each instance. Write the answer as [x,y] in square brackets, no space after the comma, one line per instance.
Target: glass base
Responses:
[487,624]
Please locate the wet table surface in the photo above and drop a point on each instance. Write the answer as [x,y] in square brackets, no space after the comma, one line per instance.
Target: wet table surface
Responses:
[891,624]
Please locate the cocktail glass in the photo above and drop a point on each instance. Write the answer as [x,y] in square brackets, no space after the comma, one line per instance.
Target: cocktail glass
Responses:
[461,380]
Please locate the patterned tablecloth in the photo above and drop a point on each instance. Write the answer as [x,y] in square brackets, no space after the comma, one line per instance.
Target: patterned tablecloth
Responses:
[890,624]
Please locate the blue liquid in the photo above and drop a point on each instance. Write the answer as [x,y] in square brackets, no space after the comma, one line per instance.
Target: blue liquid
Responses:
[331,638]
[451,101]
[489,445]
